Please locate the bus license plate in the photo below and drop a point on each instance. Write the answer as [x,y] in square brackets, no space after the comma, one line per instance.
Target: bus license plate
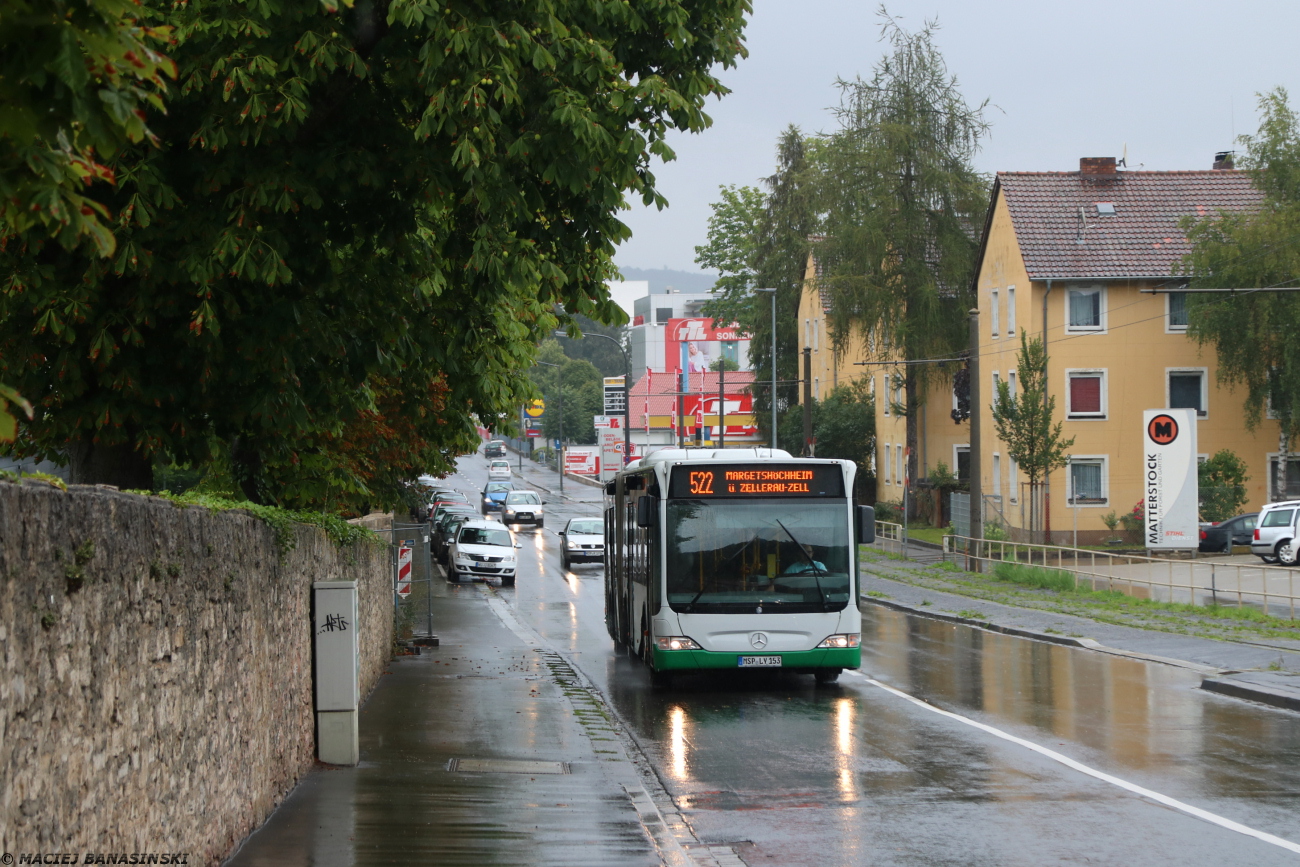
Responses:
[760,662]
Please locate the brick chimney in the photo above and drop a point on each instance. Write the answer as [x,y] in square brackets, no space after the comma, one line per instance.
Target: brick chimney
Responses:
[1097,165]
[1222,160]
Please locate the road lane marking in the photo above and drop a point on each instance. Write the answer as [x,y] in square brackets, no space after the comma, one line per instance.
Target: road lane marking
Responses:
[1092,772]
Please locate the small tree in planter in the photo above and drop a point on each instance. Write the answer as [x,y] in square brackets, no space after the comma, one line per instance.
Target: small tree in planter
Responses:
[1111,520]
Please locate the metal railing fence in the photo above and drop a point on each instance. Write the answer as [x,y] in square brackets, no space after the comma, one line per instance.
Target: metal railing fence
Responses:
[889,536]
[1269,588]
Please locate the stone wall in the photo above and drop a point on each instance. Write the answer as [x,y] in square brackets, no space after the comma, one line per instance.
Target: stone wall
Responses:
[156,668]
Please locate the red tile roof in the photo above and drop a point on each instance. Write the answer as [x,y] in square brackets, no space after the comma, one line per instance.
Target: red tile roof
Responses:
[1062,234]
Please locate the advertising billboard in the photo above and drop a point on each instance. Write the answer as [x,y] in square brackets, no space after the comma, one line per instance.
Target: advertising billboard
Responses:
[1169,478]
[583,460]
[695,405]
[693,345]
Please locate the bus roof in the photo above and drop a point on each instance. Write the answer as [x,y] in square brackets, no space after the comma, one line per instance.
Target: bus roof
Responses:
[706,454]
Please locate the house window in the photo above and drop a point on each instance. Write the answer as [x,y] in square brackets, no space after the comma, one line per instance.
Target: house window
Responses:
[807,332]
[1086,394]
[901,469]
[1087,481]
[993,307]
[1187,390]
[817,388]
[1011,311]
[1011,383]
[997,378]
[1177,310]
[662,315]
[997,475]
[1013,479]
[1085,310]
[817,330]
[961,460]
[889,461]
[884,390]
[1292,489]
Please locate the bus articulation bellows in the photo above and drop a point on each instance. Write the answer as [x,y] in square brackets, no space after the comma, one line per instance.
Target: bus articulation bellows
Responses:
[735,558]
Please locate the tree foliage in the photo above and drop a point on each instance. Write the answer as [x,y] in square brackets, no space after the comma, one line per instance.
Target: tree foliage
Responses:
[342,201]
[572,387]
[1221,481]
[901,205]
[1254,334]
[779,250]
[1023,421]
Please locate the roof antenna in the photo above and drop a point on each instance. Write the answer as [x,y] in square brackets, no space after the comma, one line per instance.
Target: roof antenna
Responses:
[1123,161]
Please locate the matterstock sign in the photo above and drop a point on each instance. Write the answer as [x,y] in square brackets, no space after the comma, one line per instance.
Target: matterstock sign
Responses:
[1169,478]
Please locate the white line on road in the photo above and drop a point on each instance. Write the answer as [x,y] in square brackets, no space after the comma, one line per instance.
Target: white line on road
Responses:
[1092,772]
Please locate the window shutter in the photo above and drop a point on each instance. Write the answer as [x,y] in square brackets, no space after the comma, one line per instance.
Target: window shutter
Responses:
[1085,394]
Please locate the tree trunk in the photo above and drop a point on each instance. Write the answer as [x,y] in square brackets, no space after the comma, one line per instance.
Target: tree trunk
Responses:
[246,468]
[93,463]
[910,397]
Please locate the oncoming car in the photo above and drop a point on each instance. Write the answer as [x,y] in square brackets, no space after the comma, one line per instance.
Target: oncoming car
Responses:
[482,549]
[522,507]
[493,496]
[499,471]
[584,541]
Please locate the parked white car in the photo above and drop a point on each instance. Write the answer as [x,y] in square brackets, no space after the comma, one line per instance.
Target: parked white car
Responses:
[499,471]
[483,549]
[1275,528]
[583,541]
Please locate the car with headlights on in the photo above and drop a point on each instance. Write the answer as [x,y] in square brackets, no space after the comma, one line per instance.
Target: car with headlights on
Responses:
[583,541]
[523,507]
[483,549]
[493,496]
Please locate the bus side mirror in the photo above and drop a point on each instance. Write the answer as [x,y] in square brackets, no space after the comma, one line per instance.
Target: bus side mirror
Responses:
[866,525]
[645,512]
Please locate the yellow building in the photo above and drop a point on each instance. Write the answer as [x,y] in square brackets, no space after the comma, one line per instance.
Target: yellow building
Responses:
[939,438]
[1087,260]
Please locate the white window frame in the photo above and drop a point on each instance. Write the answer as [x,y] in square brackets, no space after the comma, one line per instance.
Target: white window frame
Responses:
[997,475]
[1070,414]
[1013,479]
[1102,319]
[997,377]
[1205,387]
[884,388]
[994,319]
[1011,383]
[1011,311]
[807,332]
[957,448]
[1269,457]
[817,388]
[817,330]
[889,462]
[1170,327]
[1104,460]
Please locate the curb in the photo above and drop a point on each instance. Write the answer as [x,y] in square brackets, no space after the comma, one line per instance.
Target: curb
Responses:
[1252,692]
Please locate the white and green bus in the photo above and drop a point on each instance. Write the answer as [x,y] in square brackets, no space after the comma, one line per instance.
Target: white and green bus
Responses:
[735,559]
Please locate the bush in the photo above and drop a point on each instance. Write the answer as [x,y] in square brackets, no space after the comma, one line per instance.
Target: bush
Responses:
[1222,484]
[1134,521]
[889,512]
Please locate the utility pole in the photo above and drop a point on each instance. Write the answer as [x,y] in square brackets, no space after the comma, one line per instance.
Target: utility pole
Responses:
[559,401]
[809,447]
[976,493]
[722,405]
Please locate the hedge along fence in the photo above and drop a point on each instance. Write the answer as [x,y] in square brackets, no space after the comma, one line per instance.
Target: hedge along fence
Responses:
[156,666]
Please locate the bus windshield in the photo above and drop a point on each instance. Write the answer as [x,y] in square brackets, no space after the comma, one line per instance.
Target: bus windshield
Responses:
[742,555]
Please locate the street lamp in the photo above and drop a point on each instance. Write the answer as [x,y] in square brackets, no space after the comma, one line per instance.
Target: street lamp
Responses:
[627,385]
[559,407]
[772,292]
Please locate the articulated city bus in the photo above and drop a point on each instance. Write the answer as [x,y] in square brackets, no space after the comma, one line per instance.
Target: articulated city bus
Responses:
[734,559]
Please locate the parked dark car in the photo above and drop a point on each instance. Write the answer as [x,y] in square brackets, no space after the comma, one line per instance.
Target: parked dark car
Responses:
[445,530]
[493,496]
[495,449]
[1220,537]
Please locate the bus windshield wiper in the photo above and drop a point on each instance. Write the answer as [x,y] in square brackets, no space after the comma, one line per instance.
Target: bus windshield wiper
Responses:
[816,570]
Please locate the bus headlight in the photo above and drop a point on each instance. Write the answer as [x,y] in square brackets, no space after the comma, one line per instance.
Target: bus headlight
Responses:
[846,639]
[676,642]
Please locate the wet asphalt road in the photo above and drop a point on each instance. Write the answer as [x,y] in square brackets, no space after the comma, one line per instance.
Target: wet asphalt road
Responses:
[1045,755]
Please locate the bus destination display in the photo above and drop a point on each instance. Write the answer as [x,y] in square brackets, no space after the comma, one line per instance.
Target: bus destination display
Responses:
[763,480]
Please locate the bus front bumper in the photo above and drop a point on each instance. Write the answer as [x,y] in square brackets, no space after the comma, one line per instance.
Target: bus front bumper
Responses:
[791,660]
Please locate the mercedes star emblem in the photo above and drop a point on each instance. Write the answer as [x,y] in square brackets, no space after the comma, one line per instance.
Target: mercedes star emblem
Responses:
[758,640]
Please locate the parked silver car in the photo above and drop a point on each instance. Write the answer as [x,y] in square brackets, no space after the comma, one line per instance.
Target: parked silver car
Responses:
[1275,530]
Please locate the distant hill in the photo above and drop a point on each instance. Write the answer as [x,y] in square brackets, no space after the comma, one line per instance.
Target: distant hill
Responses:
[663,279]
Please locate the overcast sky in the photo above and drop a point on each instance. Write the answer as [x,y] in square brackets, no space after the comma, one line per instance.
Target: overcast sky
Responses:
[1173,80]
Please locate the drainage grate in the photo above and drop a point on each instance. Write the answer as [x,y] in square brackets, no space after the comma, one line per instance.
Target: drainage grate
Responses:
[507,766]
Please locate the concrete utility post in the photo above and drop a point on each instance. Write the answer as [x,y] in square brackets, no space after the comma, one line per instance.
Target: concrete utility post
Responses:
[772,292]
[809,448]
[722,406]
[976,493]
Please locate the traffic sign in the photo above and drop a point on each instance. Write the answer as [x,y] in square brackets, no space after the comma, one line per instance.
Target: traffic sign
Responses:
[404,571]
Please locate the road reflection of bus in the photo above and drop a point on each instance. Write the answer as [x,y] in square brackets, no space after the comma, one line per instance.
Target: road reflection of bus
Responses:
[734,559]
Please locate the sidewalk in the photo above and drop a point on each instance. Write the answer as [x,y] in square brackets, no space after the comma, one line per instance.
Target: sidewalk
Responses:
[1266,671]
[484,750]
